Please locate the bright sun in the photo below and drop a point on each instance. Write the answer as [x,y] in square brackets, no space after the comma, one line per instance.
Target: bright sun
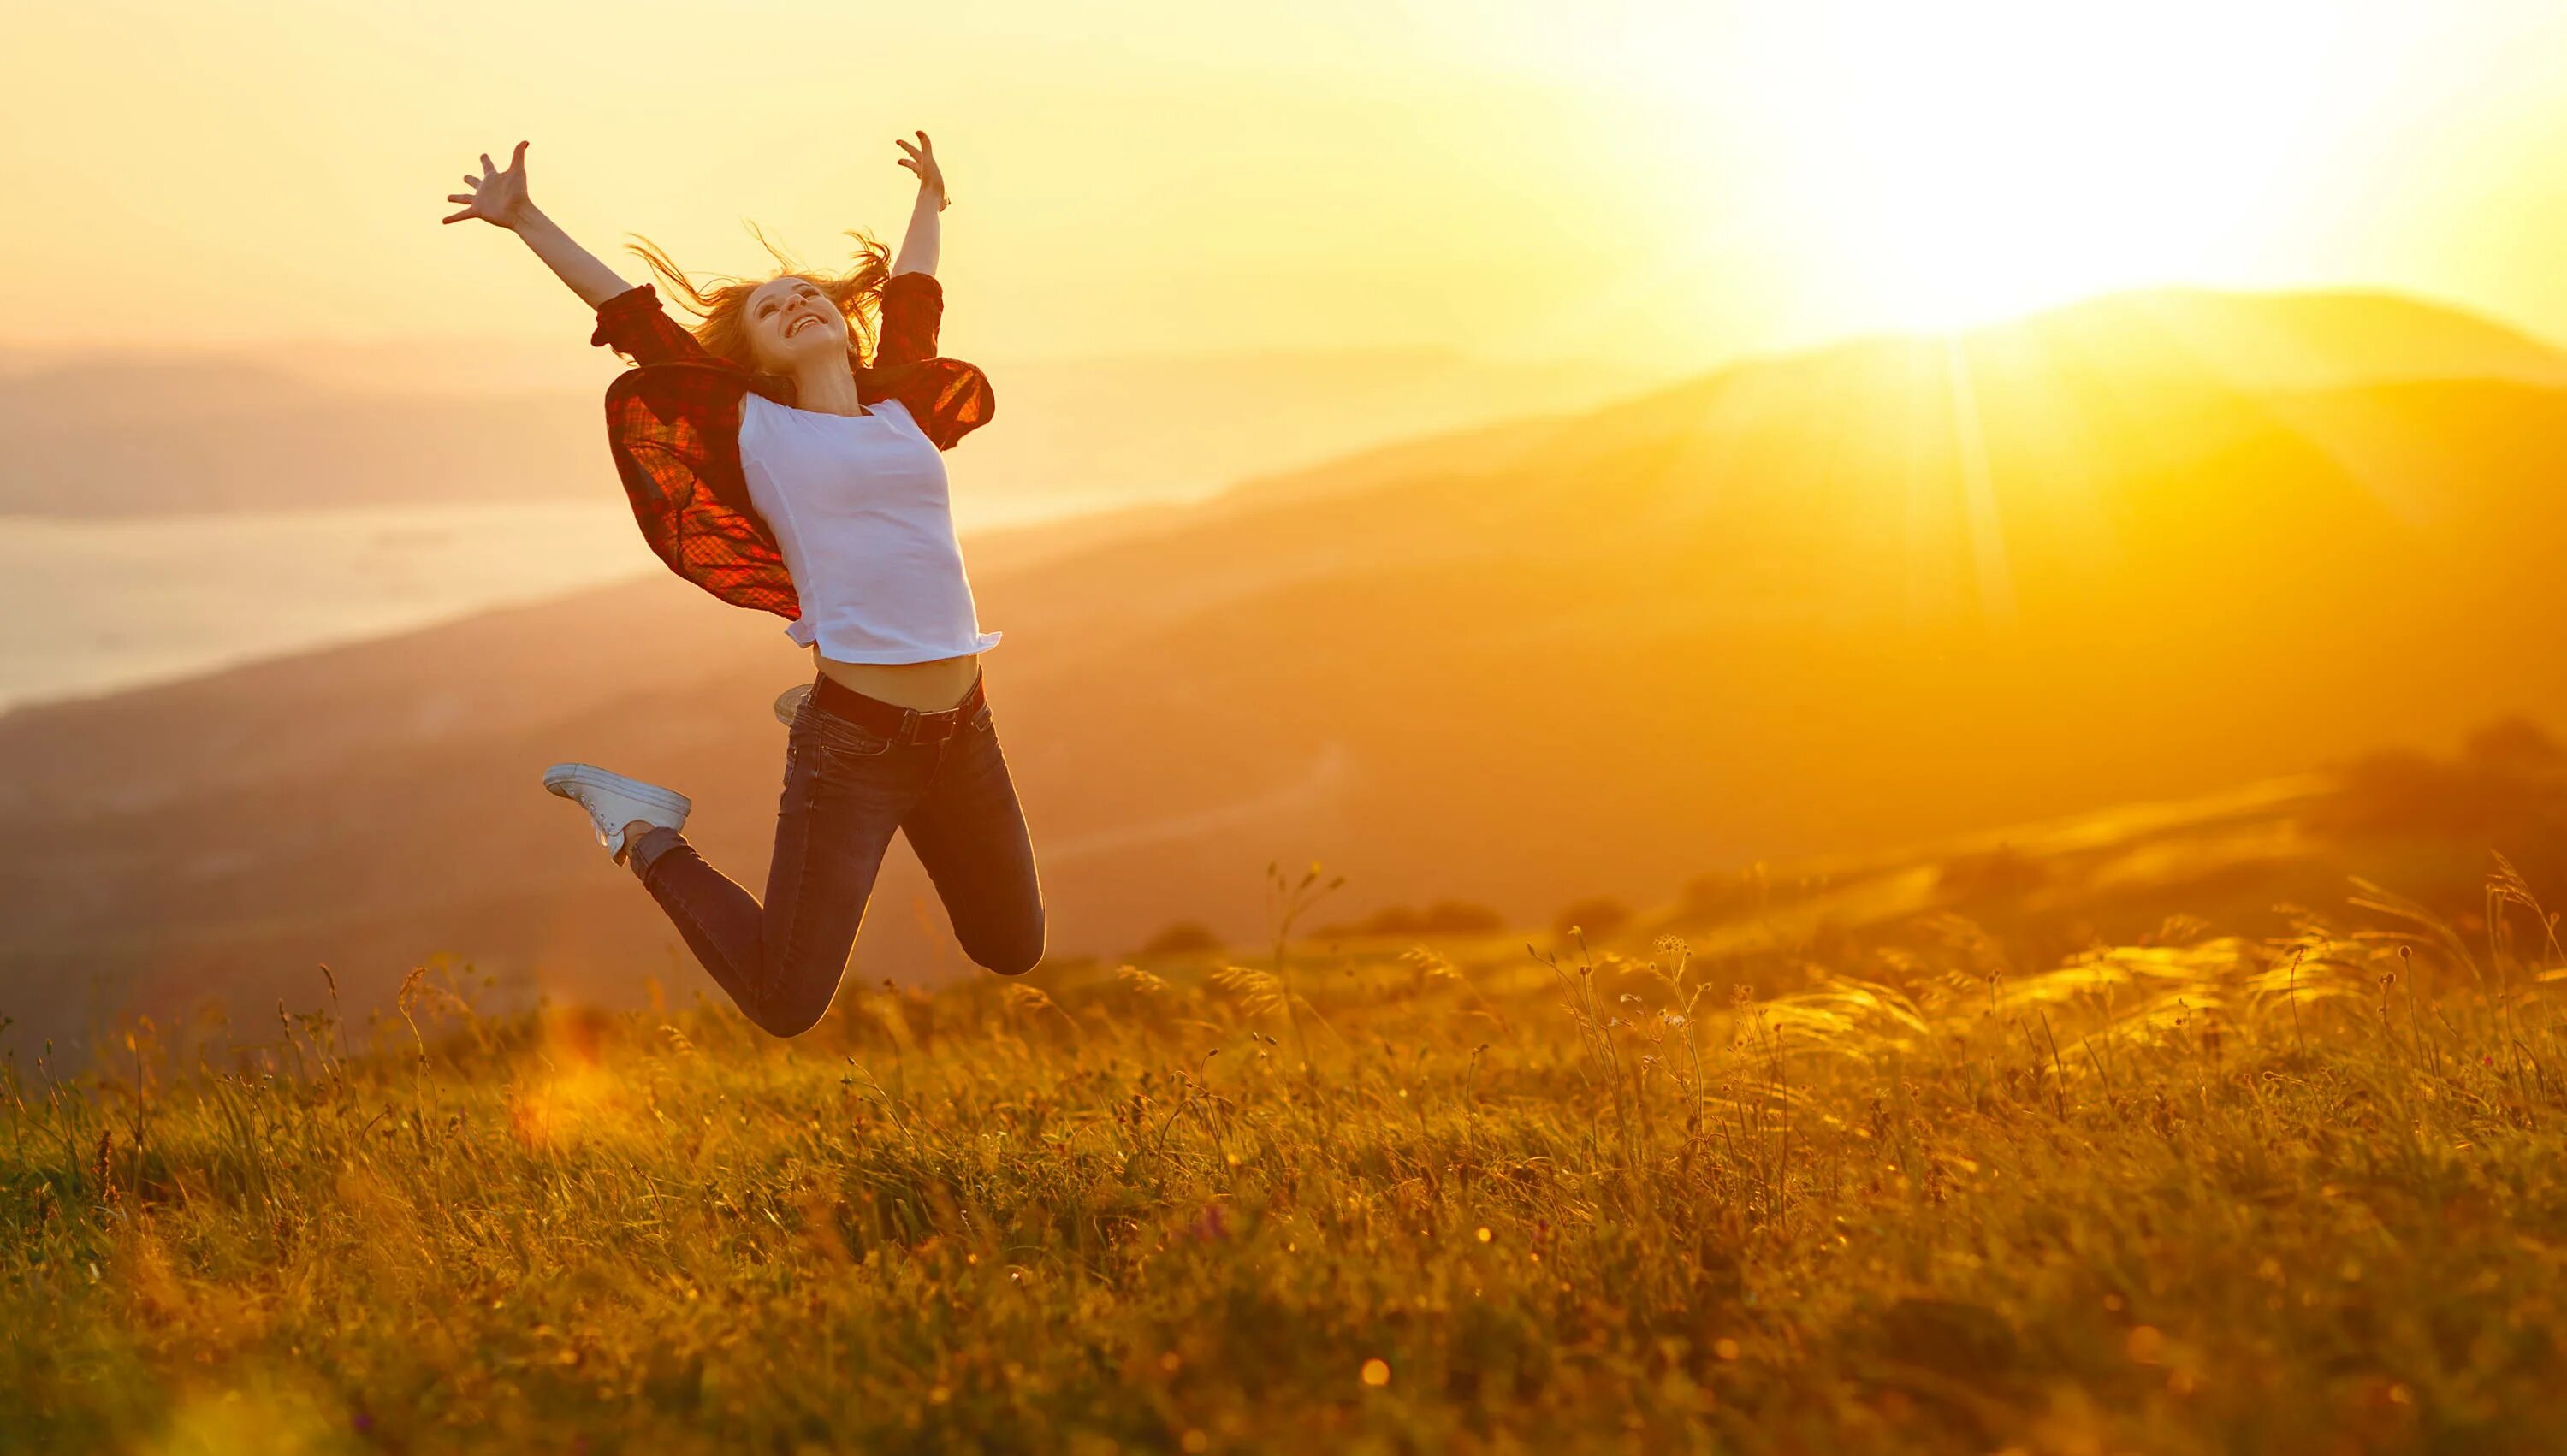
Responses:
[1972,158]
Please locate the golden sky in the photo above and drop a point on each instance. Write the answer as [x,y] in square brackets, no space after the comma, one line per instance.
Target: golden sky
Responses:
[1664,182]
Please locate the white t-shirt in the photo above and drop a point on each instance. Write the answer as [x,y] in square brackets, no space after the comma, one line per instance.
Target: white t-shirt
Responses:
[860,508]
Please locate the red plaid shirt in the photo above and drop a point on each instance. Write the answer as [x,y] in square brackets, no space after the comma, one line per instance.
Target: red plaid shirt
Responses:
[673,422]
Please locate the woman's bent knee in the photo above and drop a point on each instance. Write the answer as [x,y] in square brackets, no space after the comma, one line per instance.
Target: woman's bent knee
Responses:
[1014,956]
[792,1016]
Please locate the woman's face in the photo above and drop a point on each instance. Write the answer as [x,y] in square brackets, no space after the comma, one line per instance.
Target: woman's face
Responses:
[791,321]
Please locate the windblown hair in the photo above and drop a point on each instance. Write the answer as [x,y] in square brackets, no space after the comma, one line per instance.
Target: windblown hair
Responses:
[720,303]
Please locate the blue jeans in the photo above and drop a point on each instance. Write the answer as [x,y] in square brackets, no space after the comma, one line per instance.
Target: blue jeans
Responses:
[846,788]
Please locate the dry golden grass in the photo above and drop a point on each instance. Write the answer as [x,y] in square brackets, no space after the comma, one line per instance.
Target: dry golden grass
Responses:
[2197,1195]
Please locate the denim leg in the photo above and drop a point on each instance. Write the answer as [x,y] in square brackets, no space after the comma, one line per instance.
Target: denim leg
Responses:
[969,832]
[845,793]
[719,920]
[780,962]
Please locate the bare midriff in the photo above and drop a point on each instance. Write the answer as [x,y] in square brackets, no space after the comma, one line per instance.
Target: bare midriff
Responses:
[925,687]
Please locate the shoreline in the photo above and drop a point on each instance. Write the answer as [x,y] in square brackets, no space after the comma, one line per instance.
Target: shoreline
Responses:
[159,603]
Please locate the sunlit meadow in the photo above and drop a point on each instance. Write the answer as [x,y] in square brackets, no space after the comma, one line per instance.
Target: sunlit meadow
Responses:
[2198,1194]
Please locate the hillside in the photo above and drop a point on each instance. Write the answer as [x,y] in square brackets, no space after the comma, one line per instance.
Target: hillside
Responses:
[1928,1151]
[2306,340]
[1831,603]
[120,436]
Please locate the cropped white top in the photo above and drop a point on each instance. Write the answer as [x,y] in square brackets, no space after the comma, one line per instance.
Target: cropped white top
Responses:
[860,508]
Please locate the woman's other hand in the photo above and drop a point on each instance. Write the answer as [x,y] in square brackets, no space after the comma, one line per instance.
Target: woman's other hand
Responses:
[498,196]
[921,161]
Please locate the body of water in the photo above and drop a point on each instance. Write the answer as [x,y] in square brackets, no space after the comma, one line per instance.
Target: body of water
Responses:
[92,606]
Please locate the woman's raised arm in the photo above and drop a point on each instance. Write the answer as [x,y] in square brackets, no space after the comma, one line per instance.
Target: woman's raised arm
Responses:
[917,245]
[499,197]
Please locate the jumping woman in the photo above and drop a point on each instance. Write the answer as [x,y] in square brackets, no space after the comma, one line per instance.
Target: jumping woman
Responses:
[782,456]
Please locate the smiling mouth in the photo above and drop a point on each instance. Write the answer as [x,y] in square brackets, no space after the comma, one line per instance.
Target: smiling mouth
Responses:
[796,325]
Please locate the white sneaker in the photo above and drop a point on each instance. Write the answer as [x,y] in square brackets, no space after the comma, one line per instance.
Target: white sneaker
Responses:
[789,703]
[613,801]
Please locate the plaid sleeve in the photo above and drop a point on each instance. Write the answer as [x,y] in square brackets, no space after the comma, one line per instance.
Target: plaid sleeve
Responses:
[634,324]
[947,398]
[912,306]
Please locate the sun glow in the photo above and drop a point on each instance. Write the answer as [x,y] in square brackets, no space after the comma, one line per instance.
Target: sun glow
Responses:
[1963,161]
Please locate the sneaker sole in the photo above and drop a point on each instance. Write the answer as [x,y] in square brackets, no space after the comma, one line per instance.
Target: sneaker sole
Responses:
[559,777]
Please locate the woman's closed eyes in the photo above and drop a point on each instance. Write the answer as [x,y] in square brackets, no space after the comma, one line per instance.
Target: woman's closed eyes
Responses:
[773,304]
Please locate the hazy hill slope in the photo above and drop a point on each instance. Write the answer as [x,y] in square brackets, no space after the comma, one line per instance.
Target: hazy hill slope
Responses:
[2257,341]
[1871,595]
[138,436]
[2309,340]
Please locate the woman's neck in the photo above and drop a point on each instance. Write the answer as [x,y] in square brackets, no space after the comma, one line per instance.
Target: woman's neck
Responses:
[827,387]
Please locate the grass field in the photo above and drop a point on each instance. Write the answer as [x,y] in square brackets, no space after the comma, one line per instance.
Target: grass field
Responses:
[2194,1194]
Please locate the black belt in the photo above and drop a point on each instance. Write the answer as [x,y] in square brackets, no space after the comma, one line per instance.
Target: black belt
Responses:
[890,719]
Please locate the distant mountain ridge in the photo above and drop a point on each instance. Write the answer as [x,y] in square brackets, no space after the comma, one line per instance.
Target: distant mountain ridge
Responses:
[1873,594]
[2254,340]
[2317,339]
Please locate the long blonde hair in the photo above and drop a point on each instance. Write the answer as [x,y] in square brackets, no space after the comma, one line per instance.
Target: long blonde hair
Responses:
[720,303]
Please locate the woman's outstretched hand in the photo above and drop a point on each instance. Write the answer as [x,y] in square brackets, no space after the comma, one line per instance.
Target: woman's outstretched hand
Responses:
[499,197]
[921,161]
